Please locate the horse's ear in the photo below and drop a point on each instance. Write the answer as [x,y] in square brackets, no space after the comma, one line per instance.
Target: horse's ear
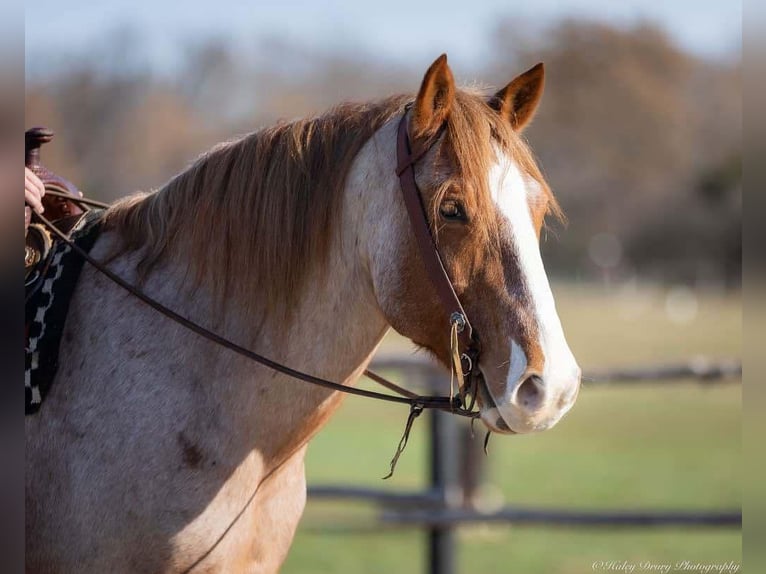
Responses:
[518,101]
[434,100]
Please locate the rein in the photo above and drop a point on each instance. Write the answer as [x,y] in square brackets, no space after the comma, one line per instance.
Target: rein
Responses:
[463,341]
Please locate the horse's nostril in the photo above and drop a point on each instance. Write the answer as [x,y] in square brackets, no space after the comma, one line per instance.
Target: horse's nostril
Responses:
[530,393]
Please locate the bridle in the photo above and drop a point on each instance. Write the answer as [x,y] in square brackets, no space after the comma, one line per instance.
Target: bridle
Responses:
[464,342]
[465,347]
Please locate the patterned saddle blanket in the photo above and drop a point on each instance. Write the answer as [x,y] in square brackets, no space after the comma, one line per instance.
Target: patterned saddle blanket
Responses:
[48,293]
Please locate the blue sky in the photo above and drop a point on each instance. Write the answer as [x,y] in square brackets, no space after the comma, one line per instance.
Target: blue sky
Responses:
[399,29]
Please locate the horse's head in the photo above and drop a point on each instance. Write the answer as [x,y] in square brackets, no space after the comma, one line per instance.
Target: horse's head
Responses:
[486,202]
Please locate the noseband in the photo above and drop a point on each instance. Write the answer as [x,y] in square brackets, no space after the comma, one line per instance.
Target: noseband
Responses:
[464,342]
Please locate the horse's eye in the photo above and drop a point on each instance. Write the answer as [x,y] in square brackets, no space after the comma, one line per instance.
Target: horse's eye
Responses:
[452,210]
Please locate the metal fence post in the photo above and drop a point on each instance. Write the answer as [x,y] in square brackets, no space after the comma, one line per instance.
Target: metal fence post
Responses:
[441,538]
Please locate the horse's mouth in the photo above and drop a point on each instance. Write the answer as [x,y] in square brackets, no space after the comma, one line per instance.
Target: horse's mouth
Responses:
[489,412]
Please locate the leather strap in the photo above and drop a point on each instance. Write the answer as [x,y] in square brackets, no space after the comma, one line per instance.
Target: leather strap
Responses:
[429,253]
[453,405]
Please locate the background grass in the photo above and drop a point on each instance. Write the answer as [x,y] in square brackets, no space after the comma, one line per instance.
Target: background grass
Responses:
[653,446]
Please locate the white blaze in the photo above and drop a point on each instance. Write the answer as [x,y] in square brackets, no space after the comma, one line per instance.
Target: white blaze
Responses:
[512,192]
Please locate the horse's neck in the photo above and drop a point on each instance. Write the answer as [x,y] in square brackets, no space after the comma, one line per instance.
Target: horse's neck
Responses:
[335,327]
[332,333]
[337,323]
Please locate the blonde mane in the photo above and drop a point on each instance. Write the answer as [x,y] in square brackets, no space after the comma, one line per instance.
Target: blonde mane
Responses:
[263,208]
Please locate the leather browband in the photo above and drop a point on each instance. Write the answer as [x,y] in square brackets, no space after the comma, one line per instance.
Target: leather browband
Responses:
[426,245]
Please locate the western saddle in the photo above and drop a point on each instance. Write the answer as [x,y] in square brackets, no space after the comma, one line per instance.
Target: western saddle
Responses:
[63,212]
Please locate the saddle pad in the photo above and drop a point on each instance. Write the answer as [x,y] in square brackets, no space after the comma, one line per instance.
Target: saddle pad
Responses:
[46,311]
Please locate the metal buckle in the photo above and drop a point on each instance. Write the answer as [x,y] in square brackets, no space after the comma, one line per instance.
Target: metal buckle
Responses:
[468,359]
[458,319]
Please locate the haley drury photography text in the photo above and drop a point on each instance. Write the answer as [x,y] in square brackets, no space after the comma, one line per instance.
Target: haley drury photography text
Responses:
[729,567]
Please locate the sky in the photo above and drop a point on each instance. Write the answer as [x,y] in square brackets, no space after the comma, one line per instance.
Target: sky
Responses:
[398,29]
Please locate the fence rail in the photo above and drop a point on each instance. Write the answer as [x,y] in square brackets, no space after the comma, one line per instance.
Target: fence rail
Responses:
[700,369]
[536,516]
[456,471]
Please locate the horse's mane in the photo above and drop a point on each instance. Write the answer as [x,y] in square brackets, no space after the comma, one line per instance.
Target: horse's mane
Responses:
[264,207]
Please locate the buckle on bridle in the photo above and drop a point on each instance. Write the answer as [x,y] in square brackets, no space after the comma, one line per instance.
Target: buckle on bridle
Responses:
[458,320]
[469,362]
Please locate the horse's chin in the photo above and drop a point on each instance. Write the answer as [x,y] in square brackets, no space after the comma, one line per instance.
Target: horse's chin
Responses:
[489,413]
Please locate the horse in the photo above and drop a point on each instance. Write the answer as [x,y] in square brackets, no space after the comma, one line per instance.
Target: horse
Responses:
[159,451]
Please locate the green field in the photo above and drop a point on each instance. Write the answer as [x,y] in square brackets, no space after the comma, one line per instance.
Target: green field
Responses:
[653,446]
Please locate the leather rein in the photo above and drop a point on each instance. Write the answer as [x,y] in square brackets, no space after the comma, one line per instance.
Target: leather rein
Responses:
[465,343]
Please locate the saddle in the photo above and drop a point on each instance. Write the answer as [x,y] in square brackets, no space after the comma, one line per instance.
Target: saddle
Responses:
[51,270]
[64,213]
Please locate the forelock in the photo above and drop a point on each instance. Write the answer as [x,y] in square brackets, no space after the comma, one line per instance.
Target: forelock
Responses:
[474,136]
